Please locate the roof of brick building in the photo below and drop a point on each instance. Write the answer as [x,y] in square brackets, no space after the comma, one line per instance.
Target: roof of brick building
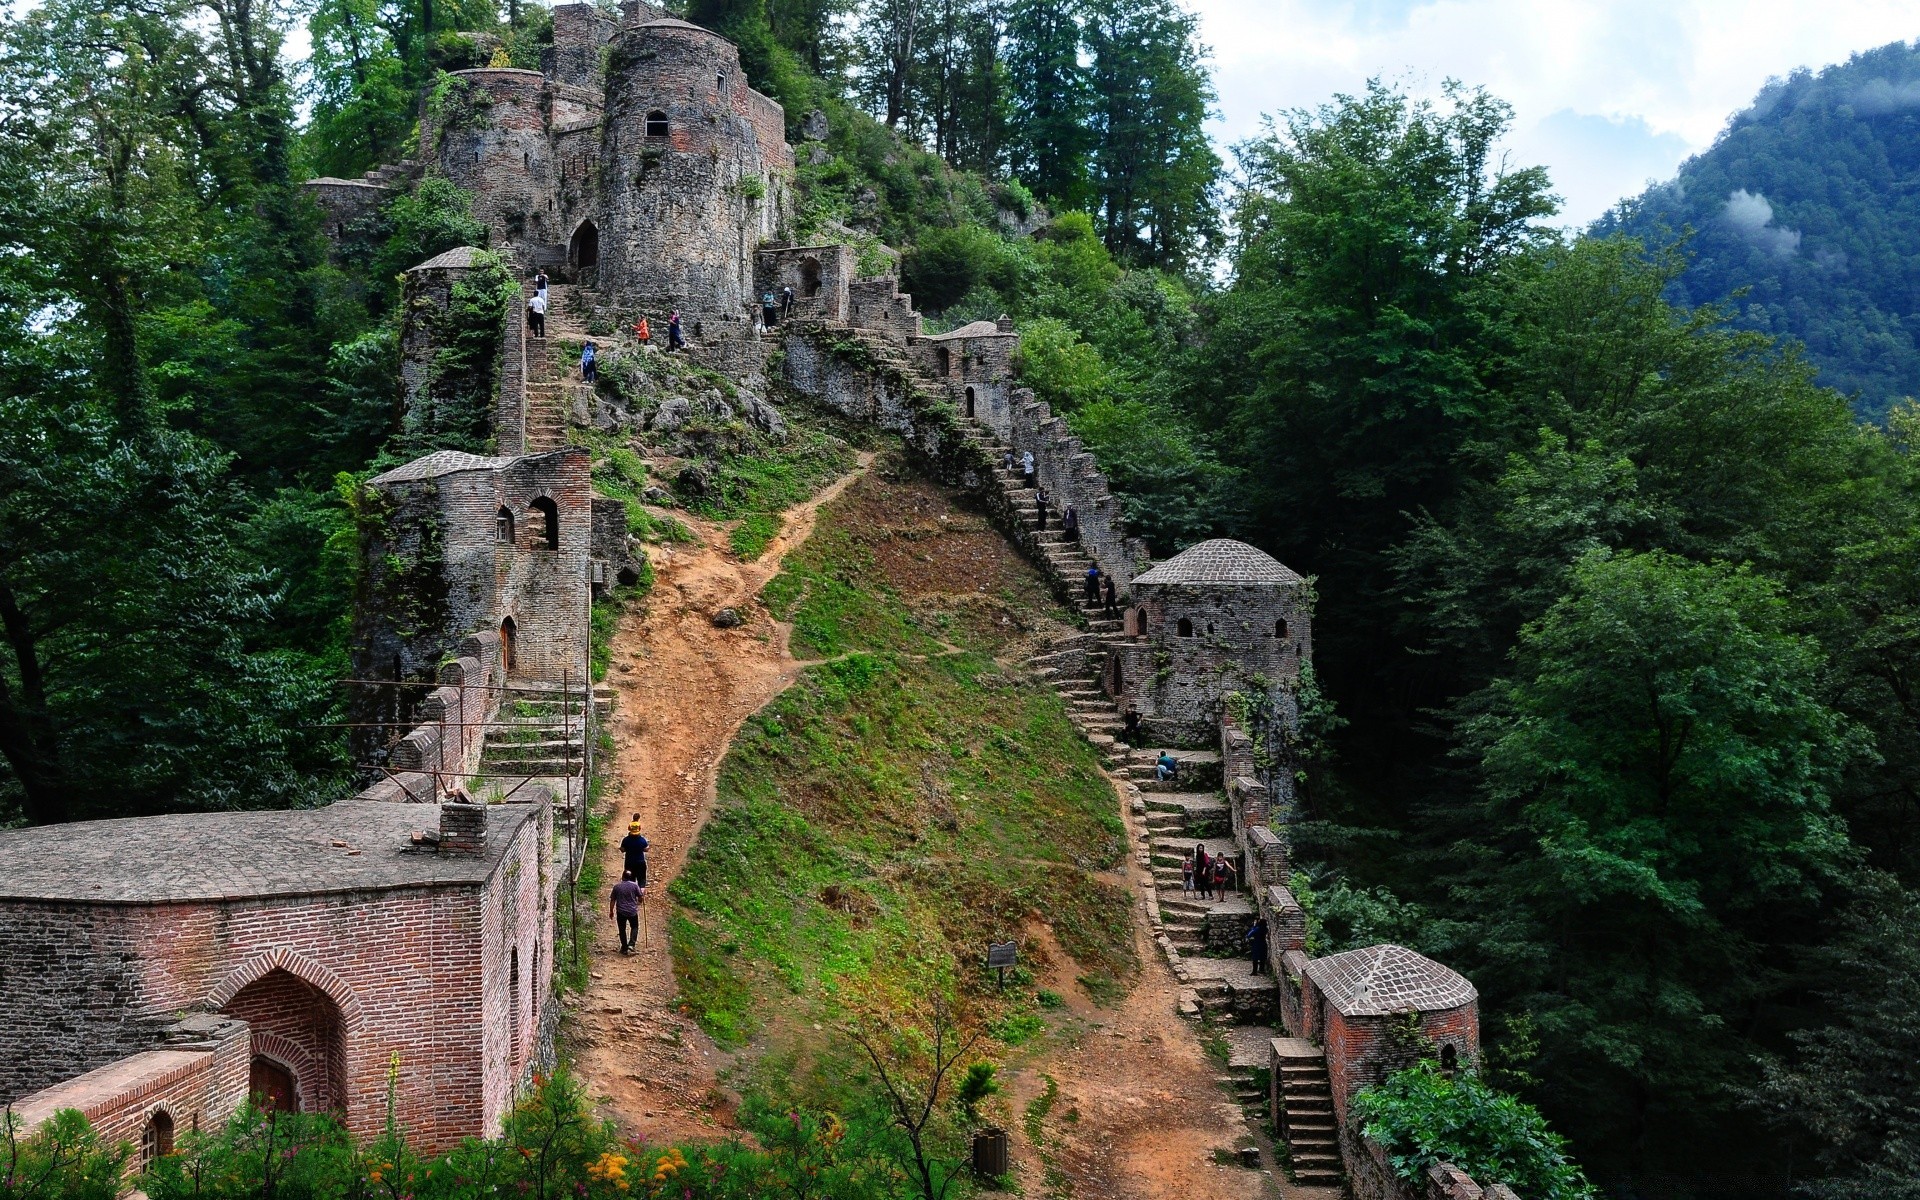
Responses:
[973,330]
[354,845]
[440,462]
[1220,561]
[458,257]
[1380,980]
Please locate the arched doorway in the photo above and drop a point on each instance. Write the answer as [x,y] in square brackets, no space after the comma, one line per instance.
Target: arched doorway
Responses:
[156,1140]
[549,533]
[969,402]
[584,248]
[1184,628]
[506,644]
[1140,622]
[943,361]
[270,1085]
[299,1043]
[809,277]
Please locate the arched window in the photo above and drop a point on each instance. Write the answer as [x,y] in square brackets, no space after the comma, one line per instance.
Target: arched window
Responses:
[809,276]
[1449,1058]
[1185,628]
[156,1140]
[550,535]
[720,84]
[969,401]
[1140,622]
[503,526]
[513,1012]
[656,124]
[1280,628]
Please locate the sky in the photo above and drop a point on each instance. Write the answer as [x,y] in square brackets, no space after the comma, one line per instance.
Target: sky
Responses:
[1607,94]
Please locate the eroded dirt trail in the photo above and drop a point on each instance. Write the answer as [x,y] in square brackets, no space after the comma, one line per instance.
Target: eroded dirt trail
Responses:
[684,689]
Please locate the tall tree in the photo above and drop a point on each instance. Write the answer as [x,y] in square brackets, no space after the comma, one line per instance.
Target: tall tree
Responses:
[1048,139]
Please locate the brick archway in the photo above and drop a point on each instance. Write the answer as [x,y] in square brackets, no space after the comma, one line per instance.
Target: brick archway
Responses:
[299,1036]
[300,967]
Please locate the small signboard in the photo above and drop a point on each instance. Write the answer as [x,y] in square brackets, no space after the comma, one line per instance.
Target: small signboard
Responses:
[1000,956]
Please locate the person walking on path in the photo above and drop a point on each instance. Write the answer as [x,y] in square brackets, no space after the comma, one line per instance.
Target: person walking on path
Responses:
[1070,523]
[1257,946]
[1040,500]
[537,314]
[643,333]
[1111,602]
[1009,460]
[786,302]
[1202,867]
[1186,874]
[1130,727]
[1026,469]
[1225,877]
[633,851]
[589,367]
[624,907]
[1092,589]
[674,339]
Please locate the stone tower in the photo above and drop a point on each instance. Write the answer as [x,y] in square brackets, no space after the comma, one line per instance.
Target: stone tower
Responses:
[1216,619]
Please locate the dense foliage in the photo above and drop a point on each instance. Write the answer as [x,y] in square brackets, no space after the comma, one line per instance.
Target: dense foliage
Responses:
[1423,1115]
[1800,216]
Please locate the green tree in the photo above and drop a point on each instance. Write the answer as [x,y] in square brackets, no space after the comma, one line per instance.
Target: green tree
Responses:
[362,102]
[1658,772]
[1049,142]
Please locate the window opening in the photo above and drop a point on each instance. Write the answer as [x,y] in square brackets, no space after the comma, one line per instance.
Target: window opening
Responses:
[156,1140]
[503,526]
[656,124]
[545,506]
[1185,628]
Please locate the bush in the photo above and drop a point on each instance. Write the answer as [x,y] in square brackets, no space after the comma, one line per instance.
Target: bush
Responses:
[1422,1116]
[62,1160]
[946,264]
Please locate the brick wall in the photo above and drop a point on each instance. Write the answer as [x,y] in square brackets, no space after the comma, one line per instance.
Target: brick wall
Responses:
[1361,1053]
[195,1078]
[493,142]
[1180,683]
[333,985]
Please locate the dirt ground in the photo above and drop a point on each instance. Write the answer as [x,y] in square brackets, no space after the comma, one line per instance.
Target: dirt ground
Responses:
[1138,1113]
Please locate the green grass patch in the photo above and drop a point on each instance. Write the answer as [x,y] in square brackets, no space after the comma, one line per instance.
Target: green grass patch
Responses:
[750,538]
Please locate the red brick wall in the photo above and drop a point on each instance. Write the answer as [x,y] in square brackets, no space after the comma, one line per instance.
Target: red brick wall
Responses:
[1359,1053]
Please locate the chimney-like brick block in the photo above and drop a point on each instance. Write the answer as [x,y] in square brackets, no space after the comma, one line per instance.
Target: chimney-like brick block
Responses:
[463,828]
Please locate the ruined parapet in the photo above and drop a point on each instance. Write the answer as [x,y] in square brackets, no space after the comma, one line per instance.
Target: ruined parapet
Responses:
[975,362]
[694,172]
[819,276]
[880,305]
[579,33]
[1070,475]
[1219,620]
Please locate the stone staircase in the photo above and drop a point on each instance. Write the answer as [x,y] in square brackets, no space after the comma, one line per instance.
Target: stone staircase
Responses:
[1303,1098]
[540,730]
[394,174]
[555,394]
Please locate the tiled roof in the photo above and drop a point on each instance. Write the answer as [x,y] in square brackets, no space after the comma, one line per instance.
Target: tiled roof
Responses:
[459,256]
[1221,560]
[675,23]
[1380,980]
[354,845]
[976,329]
[440,462]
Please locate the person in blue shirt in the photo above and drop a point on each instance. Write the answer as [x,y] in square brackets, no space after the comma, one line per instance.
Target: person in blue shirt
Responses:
[633,848]
[587,363]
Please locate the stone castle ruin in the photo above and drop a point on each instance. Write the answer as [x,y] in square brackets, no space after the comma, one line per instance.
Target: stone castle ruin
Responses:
[295,956]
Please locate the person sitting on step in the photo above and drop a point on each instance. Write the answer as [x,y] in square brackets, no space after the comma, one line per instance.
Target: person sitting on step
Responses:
[1167,768]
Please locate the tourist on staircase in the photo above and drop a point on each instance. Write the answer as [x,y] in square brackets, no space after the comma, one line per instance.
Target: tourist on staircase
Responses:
[1167,768]
[540,284]
[1111,603]
[1186,874]
[1093,584]
[786,302]
[642,333]
[1129,720]
[633,849]
[537,314]
[1026,469]
[1040,508]
[1070,523]
[674,339]
[1257,945]
[767,314]
[1226,877]
[589,368]
[624,907]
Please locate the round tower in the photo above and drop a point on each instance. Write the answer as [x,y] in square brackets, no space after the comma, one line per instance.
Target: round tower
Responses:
[1216,619]
[488,132]
[694,167]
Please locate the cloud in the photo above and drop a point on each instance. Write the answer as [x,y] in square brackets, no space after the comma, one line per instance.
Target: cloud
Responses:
[1878,96]
[1665,75]
[1750,215]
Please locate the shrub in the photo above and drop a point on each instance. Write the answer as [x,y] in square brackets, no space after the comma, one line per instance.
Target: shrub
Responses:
[1422,1116]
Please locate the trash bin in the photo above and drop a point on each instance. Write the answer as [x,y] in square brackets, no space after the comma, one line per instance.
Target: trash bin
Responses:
[990,1153]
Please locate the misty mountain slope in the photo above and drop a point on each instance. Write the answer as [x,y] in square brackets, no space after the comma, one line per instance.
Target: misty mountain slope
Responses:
[1811,200]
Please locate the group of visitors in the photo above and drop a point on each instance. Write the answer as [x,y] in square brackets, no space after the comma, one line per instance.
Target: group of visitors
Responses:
[1212,876]
[631,892]
[774,309]
[537,306]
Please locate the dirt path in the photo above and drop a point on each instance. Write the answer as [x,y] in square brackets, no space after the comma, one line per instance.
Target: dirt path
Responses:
[684,689]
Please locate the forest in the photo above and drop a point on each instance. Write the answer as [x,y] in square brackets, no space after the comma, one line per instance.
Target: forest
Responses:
[1804,207]
[1616,698]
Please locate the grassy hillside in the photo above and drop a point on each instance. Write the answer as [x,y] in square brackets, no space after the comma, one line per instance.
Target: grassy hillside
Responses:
[910,798]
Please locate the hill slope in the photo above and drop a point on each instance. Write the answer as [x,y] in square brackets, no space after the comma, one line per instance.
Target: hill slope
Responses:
[1811,199]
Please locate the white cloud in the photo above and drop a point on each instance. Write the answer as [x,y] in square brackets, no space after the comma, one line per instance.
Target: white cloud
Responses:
[1606,93]
[1751,216]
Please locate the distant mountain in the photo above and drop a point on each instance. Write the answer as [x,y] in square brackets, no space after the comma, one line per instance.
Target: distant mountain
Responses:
[1811,200]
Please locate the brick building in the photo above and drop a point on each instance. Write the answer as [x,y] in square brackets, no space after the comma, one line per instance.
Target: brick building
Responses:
[317,948]
[1382,1008]
[1216,619]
